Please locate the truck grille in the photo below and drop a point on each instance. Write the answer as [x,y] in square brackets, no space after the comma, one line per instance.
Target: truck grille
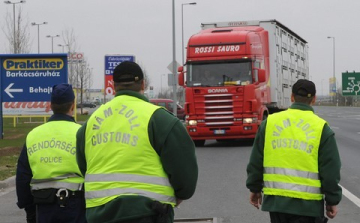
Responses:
[219,109]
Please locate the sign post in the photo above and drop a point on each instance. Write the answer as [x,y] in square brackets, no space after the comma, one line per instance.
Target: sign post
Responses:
[30,77]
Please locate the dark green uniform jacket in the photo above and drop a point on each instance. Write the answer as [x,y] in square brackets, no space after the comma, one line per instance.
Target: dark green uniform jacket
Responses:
[171,141]
[329,172]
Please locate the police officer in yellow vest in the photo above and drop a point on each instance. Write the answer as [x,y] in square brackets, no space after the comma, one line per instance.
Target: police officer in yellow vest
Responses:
[48,178]
[137,158]
[295,163]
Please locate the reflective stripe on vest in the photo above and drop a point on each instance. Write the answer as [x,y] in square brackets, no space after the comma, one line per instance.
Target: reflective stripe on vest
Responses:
[129,191]
[292,187]
[164,181]
[51,150]
[62,177]
[291,172]
[120,158]
[292,140]
[57,184]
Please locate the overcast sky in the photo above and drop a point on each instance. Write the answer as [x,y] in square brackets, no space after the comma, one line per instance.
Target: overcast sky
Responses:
[144,28]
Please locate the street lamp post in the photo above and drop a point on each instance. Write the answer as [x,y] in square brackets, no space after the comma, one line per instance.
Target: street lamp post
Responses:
[182,28]
[174,64]
[38,25]
[14,3]
[52,41]
[333,38]
[63,47]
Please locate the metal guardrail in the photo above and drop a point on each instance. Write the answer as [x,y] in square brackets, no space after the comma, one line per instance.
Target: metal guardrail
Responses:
[16,117]
[196,220]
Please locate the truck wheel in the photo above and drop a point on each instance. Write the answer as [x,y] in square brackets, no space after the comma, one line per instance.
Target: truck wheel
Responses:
[265,115]
[199,143]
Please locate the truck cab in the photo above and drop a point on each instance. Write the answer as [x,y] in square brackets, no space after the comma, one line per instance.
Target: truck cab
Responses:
[232,78]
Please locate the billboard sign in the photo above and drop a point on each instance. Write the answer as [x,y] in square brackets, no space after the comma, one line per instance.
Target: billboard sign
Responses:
[28,108]
[350,84]
[30,77]
[26,82]
[111,61]
[332,86]
[76,57]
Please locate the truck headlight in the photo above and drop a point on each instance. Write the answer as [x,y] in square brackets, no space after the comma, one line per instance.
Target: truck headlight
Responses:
[192,122]
[249,120]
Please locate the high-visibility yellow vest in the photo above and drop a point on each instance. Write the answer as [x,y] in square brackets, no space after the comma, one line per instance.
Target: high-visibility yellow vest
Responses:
[51,150]
[120,159]
[292,140]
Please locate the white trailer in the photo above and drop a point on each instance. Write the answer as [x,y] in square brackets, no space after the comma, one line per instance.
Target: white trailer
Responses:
[288,60]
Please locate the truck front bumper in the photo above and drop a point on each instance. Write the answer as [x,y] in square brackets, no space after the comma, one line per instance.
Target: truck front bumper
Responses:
[225,132]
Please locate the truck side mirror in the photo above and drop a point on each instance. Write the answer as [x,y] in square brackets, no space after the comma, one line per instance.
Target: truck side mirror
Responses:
[261,75]
[181,76]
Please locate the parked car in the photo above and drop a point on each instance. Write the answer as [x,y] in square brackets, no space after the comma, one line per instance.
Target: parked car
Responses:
[86,105]
[168,104]
[83,112]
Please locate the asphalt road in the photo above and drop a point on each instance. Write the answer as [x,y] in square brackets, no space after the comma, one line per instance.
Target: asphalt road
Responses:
[221,190]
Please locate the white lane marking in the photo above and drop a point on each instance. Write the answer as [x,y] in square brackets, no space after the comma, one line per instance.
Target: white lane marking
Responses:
[333,127]
[350,196]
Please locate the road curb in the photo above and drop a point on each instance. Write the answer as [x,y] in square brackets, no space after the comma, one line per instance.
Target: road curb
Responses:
[9,182]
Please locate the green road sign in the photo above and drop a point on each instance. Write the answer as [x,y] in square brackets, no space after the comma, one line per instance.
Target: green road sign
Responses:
[350,84]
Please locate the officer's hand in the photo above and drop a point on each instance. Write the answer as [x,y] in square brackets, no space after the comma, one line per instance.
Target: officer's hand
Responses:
[178,202]
[331,211]
[255,199]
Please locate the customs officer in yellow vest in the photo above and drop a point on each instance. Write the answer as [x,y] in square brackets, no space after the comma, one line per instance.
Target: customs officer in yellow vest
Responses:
[48,178]
[137,158]
[295,163]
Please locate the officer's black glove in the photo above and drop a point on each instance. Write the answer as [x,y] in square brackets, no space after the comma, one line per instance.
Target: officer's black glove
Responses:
[30,214]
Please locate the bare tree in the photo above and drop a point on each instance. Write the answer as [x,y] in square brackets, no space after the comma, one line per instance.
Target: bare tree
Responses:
[83,76]
[146,79]
[146,76]
[69,38]
[22,34]
[80,73]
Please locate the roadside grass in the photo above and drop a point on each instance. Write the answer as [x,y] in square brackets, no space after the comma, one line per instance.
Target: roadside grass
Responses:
[14,139]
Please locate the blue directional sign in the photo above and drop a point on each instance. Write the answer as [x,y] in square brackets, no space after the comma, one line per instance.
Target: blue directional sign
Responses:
[30,77]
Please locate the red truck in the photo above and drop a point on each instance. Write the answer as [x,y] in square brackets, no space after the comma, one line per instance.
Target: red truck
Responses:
[236,74]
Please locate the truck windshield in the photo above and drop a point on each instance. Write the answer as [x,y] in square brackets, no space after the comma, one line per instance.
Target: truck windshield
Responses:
[218,74]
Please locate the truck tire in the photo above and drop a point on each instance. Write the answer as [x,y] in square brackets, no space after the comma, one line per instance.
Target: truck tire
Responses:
[199,143]
[265,115]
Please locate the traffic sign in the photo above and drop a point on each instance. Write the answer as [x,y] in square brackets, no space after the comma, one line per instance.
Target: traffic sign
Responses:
[170,67]
[111,61]
[30,77]
[350,84]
